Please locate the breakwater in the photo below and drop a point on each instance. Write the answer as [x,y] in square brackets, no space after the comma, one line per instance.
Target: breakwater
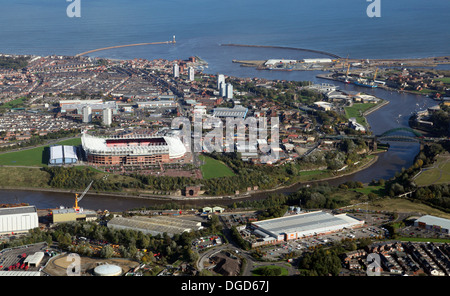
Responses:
[285,47]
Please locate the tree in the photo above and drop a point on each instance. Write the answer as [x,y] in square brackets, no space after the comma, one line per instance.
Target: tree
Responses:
[107,252]
[321,262]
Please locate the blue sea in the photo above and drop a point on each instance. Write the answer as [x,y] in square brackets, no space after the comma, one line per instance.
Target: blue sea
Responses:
[406,28]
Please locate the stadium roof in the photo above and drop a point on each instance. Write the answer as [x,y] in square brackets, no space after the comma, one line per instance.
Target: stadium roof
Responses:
[171,145]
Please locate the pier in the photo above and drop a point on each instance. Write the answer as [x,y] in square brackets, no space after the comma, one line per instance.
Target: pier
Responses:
[127,45]
[285,47]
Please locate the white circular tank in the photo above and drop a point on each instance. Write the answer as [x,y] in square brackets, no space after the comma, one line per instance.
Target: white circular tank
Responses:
[108,270]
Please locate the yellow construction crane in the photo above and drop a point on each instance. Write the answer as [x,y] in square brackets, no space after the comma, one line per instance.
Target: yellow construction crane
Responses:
[78,199]
[375,75]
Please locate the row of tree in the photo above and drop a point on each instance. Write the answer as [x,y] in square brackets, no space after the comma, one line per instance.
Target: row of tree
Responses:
[14,63]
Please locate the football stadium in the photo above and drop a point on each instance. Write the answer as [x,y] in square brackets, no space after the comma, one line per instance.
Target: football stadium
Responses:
[132,150]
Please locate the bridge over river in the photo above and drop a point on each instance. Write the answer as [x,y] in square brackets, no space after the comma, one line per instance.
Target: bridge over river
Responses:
[400,134]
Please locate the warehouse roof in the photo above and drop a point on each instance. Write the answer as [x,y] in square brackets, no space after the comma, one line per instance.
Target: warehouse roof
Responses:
[34,259]
[19,273]
[237,111]
[433,220]
[155,225]
[18,210]
[305,222]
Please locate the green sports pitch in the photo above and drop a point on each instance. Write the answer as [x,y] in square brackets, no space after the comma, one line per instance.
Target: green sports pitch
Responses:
[212,168]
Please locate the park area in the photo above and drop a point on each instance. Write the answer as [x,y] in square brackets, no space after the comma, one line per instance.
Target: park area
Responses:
[212,168]
[438,173]
[357,111]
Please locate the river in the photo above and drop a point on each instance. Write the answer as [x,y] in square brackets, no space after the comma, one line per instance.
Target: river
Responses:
[400,155]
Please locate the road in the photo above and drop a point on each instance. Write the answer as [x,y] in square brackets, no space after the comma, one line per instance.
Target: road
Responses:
[233,248]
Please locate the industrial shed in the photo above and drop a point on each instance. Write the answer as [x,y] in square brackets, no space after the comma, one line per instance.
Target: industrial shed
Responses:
[18,219]
[304,225]
[62,154]
[433,223]
[35,259]
[19,273]
[155,225]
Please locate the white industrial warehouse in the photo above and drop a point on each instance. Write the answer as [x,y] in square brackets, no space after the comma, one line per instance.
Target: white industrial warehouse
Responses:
[155,225]
[18,219]
[433,223]
[303,225]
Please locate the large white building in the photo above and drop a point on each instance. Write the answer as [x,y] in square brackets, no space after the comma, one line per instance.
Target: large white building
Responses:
[229,91]
[303,225]
[191,74]
[237,111]
[157,104]
[18,219]
[132,150]
[433,223]
[176,70]
[63,154]
[87,114]
[107,116]
[220,79]
[155,225]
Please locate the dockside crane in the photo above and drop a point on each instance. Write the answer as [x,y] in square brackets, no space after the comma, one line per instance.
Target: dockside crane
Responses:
[78,199]
[346,74]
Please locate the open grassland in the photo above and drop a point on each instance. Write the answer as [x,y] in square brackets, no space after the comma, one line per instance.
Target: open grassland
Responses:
[357,111]
[213,168]
[423,239]
[37,156]
[438,173]
[270,270]
[401,205]
[445,80]
[23,177]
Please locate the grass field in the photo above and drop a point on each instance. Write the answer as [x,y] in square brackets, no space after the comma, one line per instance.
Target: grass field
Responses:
[281,271]
[38,156]
[446,80]
[213,168]
[13,104]
[423,239]
[401,205]
[378,190]
[437,174]
[357,110]
[23,177]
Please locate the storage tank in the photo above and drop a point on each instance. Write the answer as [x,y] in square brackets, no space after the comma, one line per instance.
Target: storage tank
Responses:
[108,270]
